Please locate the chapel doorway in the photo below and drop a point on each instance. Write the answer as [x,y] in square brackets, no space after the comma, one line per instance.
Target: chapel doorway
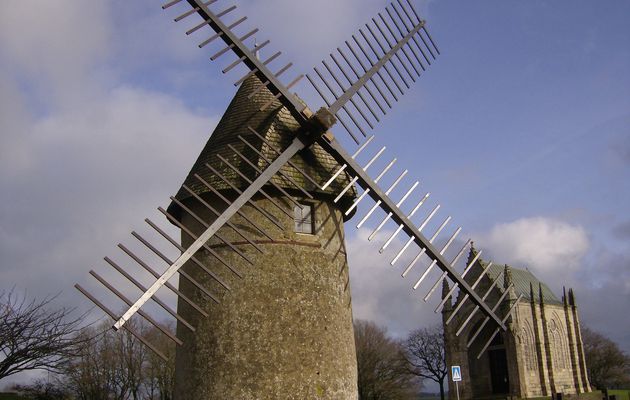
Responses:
[499,371]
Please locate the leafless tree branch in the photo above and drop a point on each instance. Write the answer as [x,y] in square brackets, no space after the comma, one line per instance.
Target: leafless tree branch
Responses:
[607,365]
[34,337]
[382,370]
[425,354]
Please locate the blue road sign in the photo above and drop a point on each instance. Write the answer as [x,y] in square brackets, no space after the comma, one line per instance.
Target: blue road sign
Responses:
[456,373]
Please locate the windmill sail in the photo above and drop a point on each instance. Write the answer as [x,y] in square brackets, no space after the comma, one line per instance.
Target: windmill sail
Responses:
[360,82]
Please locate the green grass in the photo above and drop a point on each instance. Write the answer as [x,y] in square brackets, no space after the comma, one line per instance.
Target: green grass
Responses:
[621,394]
[10,396]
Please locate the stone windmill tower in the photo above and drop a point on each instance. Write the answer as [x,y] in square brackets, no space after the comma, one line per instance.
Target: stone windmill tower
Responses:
[263,297]
[301,279]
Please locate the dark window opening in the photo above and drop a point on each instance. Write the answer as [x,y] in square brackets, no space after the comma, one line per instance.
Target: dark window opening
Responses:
[304,219]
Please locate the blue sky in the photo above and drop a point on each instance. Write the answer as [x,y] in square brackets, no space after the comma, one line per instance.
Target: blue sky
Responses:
[520,129]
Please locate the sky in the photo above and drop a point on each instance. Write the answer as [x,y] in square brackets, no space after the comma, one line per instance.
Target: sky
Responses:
[520,130]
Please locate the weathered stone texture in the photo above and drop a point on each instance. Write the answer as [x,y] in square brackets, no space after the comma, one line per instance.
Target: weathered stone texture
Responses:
[284,331]
[542,347]
[278,128]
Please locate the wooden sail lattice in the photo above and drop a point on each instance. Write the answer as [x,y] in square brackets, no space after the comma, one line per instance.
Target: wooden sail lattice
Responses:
[358,83]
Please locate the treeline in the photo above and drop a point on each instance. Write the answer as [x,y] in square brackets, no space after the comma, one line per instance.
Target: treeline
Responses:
[607,365]
[96,363]
[83,363]
[108,365]
[395,369]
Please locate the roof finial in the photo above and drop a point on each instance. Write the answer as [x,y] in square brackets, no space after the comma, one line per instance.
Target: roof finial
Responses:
[445,290]
[507,272]
[472,254]
[565,300]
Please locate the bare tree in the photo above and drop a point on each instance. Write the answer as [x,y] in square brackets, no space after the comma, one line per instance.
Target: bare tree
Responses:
[425,353]
[116,366]
[608,367]
[43,390]
[33,337]
[93,373]
[159,375]
[109,367]
[382,372]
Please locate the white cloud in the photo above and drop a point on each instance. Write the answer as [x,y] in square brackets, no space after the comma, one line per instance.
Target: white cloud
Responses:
[54,44]
[319,26]
[308,31]
[14,122]
[380,294]
[561,254]
[86,178]
[551,248]
[84,154]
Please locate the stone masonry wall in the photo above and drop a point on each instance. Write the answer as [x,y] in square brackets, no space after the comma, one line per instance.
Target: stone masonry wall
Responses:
[284,331]
[539,357]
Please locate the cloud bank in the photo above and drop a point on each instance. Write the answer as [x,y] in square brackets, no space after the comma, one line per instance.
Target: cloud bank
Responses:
[85,153]
[551,248]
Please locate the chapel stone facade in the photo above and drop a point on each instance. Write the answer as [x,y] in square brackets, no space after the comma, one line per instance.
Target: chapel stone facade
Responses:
[541,353]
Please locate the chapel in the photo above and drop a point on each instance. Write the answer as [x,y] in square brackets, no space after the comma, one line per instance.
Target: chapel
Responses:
[541,353]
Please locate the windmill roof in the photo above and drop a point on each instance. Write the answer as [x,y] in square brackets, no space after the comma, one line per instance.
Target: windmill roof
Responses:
[278,127]
[522,278]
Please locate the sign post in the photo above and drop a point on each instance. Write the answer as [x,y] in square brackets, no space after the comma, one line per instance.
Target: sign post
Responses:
[456,374]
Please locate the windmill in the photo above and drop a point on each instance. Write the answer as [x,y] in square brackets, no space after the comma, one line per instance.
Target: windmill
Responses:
[262,259]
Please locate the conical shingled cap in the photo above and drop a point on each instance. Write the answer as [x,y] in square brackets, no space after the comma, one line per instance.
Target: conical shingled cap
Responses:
[278,127]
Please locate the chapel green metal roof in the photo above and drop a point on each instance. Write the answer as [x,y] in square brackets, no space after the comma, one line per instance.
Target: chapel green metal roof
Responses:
[522,278]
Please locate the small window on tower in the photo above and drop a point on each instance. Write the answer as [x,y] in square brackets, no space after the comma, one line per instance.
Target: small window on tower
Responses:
[304,219]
